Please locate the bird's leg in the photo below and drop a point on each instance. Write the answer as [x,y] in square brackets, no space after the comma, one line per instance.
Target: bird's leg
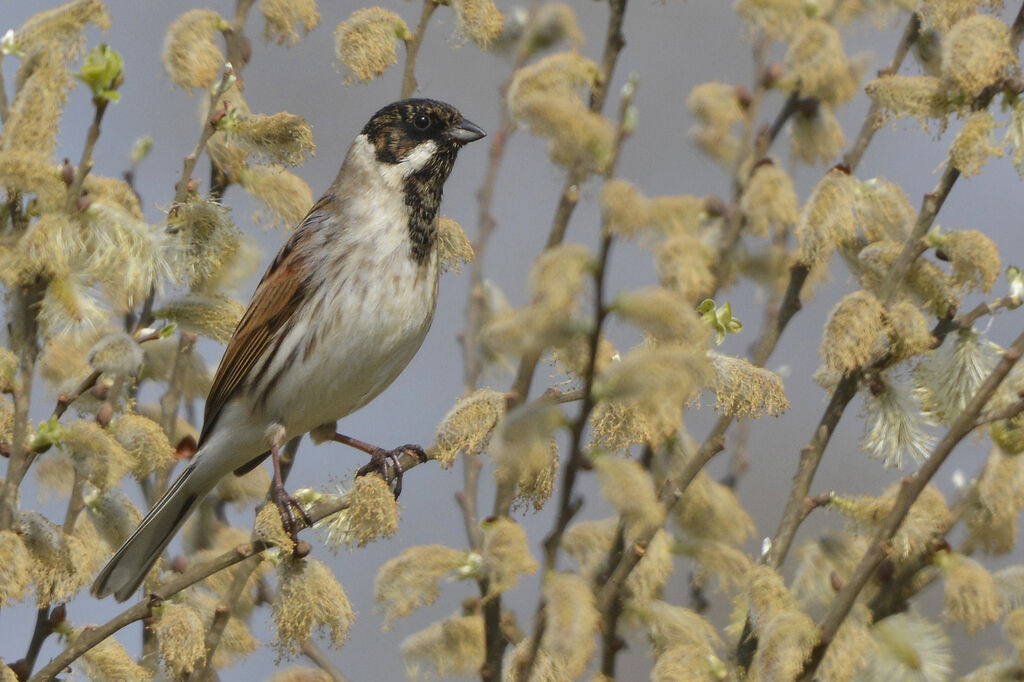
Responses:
[379,457]
[285,502]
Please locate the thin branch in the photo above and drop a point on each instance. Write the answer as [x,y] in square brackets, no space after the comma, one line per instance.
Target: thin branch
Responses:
[221,616]
[24,335]
[1000,414]
[568,503]
[314,653]
[85,164]
[412,49]
[3,97]
[209,128]
[908,494]
[873,119]
[91,636]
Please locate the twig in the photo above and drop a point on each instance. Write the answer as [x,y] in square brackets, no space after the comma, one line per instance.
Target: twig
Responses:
[90,637]
[189,165]
[568,503]
[313,652]
[412,49]
[221,616]
[466,499]
[85,164]
[999,414]
[64,400]
[4,105]
[908,494]
[613,44]
[24,333]
[485,224]
[873,119]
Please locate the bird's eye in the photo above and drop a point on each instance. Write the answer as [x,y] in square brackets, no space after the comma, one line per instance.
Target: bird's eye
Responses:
[421,121]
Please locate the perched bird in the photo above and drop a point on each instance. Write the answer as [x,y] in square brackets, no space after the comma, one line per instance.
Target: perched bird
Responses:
[338,315]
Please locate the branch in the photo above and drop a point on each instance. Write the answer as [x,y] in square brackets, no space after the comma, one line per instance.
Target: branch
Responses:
[873,119]
[412,49]
[568,503]
[85,164]
[92,636]
[313,652]
[614,42]
[181,189]
[909,492]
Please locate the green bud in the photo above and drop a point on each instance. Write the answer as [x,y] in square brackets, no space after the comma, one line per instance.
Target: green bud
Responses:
[141,149]
[103,72]
[1016,279]
[48,434]
[7,44]
[719,319]
[168,330]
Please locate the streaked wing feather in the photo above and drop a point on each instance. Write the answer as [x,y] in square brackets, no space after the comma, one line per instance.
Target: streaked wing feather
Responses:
[276,299]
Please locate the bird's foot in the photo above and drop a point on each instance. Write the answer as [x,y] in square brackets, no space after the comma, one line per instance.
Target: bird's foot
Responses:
[285,505]
[380,457]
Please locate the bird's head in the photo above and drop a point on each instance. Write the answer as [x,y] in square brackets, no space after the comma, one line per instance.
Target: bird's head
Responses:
[422,136]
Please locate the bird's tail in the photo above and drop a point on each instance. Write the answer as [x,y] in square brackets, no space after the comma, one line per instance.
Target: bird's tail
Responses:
[128,567]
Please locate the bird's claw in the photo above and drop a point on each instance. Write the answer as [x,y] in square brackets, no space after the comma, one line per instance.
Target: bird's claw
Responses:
[379,462]
[285,504]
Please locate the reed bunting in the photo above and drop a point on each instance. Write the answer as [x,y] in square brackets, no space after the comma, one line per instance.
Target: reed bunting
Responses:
[338,315]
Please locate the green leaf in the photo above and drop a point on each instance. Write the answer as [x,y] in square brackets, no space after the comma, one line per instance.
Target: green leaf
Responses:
[103,72]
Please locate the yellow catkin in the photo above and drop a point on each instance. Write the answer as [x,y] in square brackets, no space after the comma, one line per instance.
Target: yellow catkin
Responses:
[816,66]
[478,20]
[970,592]
[285,18]
[827,218]
[453,246]
[974,257]
[817,137]
[506,555]
[308,598]
[454,646]
[180,632]
[365,42]
[468,425]
[921,97]
[412,579]
[854,332]
[769,201]
[976,53]
[191,56]
[33,116]
[973,144]
[372,513]
[745,390]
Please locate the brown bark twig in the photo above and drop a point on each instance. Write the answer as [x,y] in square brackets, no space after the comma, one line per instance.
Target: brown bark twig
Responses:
[909,492]
[91,636]
[412,49]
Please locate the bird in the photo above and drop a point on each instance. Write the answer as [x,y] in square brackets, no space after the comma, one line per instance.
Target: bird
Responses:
[341,310]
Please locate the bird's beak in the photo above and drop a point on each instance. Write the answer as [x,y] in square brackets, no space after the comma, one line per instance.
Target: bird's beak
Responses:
[466,132]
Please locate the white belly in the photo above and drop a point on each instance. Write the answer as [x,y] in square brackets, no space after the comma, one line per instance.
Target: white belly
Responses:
[370,330]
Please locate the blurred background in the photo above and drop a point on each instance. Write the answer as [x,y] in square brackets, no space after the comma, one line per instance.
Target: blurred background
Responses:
[672,46]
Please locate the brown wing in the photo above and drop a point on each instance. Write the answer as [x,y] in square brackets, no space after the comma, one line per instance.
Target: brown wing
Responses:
[276,299]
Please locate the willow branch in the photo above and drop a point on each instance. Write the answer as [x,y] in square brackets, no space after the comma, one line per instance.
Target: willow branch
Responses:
[221,616]
[92,636]
[209,128]
[909,492]
[412,49]
[24,333]
[613,44]
[85,163]
[314,653]
[873,119]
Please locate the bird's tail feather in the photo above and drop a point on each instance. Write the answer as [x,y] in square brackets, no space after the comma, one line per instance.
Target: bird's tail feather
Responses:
[128,567]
